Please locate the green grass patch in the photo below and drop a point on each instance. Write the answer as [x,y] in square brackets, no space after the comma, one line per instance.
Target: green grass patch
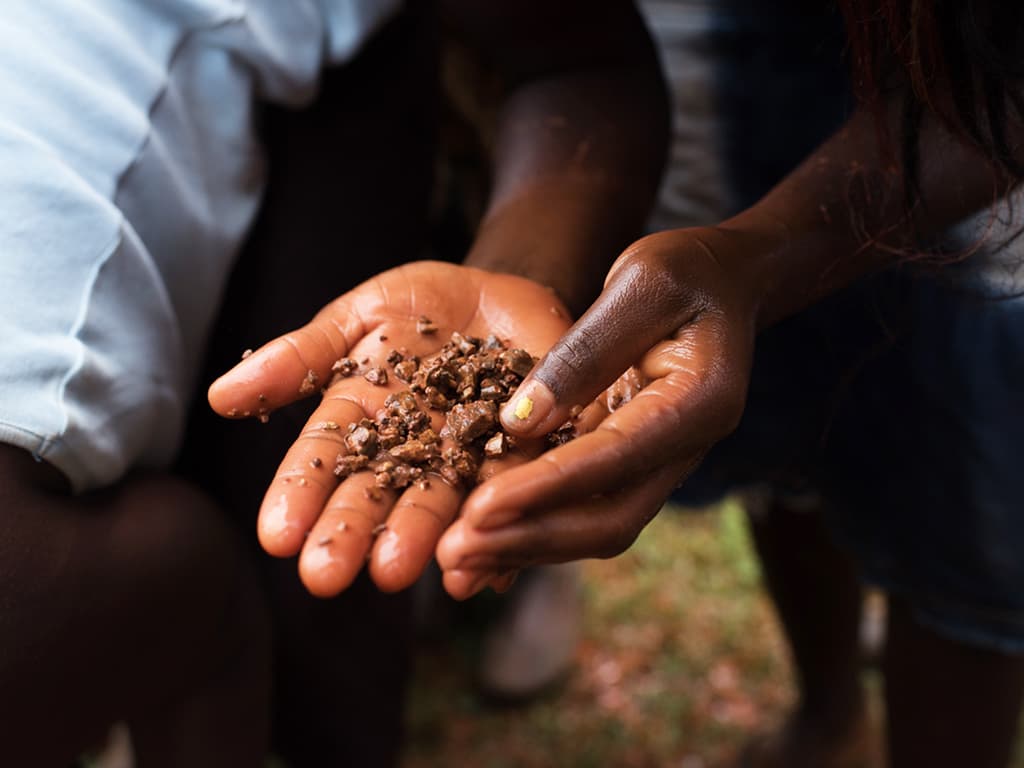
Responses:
[680,663]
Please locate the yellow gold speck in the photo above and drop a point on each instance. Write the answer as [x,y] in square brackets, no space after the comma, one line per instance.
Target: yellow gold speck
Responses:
[524,407]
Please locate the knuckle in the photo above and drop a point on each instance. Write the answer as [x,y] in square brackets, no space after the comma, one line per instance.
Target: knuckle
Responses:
[631,524]
[663,410]
[652,286]
[438,518]
[568,358]
[623,451]
[732,414]
[729,392]
[359,518]
[618,541]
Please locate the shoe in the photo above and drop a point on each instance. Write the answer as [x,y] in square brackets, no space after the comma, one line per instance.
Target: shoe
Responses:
[531,645]
[873,627]
[117,752]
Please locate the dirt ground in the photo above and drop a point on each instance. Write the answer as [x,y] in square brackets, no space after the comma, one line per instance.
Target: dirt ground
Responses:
[681,662]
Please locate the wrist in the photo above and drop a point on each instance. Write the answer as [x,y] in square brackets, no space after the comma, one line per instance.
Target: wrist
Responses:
[551,234]
[747,250]
[786,265]
[495,264]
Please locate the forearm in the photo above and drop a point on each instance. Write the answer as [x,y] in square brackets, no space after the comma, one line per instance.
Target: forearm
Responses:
[578,152]
[843,213]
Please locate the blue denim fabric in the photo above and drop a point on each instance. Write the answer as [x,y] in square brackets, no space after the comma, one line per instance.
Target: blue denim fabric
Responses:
[901,400]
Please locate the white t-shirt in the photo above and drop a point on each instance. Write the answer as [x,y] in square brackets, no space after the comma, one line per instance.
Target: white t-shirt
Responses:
[129,174]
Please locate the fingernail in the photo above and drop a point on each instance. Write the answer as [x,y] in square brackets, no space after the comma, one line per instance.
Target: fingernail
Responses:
[530,405]
[504,582]
[477,584]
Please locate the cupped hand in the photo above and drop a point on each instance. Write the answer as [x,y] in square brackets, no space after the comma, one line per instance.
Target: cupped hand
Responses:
[337,527]
[678,308]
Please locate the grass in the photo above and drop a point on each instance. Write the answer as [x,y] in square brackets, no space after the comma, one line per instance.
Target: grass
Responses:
[681,661]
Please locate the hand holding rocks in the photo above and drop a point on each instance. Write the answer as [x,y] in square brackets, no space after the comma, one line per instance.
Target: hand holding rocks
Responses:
[413,366]
[669,344]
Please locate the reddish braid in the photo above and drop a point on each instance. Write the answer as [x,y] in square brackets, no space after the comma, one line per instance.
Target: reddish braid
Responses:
[961,60]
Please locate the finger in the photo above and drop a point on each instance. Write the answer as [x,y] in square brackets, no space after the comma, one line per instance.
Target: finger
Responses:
[416,523]
[597,527]
[404,549]
[638,307]
[524,451]
[339,543]
[697,401]
[294,365]
[305,479]
[662,425]
[503,583]
[463,584]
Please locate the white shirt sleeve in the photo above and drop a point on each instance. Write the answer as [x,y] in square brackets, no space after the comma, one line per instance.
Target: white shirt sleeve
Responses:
[129,175]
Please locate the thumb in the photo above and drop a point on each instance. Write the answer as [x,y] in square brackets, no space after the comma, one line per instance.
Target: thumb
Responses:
[640,305]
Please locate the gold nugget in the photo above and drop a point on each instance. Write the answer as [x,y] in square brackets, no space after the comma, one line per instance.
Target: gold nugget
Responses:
[524,408]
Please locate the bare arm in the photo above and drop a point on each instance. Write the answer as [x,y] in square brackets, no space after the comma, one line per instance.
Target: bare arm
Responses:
[578,152]
[580,142]
[843,212]
[684,306]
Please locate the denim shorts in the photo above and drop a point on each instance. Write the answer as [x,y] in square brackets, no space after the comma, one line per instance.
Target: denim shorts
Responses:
[900,401]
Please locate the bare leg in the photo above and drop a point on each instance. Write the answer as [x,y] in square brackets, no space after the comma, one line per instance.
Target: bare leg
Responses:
[818,597]
[128,604]
[948,704]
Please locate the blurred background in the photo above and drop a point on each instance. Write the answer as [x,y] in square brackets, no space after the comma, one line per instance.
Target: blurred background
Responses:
[680,663]
[677,658]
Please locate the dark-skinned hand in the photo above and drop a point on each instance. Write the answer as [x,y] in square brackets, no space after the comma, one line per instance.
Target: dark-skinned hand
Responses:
[675,306]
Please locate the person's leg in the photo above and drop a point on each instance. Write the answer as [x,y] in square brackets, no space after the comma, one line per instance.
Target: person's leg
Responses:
[531,644]
[348,194]
[948,704]
[818,599]
[131,604]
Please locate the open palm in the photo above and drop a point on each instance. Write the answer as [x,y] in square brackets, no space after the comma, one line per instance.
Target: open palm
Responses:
[337,526]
